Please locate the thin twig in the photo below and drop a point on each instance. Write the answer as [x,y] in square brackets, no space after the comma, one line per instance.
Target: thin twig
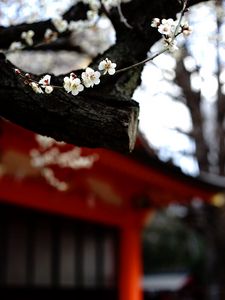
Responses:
[142,62]
[180,19]
[122,18]
[176,33]
[30,80]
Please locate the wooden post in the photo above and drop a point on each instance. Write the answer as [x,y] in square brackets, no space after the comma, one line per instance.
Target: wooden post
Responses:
[130,264]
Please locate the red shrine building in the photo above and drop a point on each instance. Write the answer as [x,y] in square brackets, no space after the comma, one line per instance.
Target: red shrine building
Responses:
[85,242]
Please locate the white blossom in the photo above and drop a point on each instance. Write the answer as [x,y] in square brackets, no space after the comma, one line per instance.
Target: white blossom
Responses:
[45,80]
[90,77]
[28,37]
[186,29]
[107,66]
[60,24]
[67,84]
[45,83]
[50,35]
[36,88]
[44,143]
[171,44]
[48,89]
[169,30]
[167,27]
[50,177]
[92,16]
[73,85]
[155,22]
[76,86]
[17,71]
[15,46]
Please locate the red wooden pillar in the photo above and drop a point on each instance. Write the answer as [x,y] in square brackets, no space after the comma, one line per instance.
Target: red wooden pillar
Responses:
[130,264]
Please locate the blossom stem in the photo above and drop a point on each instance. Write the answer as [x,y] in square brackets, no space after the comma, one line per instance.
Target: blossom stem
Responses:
[143,61]
[185,2]
[32,80]
[176,33]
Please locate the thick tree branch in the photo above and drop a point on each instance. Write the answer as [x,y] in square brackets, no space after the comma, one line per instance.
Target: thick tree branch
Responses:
[13,33]
[103,116]
[92,121]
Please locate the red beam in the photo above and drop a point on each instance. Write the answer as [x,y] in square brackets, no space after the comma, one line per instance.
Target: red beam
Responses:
[39,196]
[169,184]
[124,169]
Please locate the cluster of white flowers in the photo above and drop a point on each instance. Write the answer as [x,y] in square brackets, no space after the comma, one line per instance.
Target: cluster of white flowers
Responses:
[72,84]
[50,35]
[27,36]
[45,142]
[107,67]
[186,29]
[16,46]
[169,30]
[51,153]
[90,77]
[37,87]
[60,24]
[51,179]
[68,159]
[44,83]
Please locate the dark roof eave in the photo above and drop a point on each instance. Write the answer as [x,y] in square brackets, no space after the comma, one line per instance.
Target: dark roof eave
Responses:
[209,182]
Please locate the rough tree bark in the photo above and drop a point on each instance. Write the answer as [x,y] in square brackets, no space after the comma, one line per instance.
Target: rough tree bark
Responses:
[104,116]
